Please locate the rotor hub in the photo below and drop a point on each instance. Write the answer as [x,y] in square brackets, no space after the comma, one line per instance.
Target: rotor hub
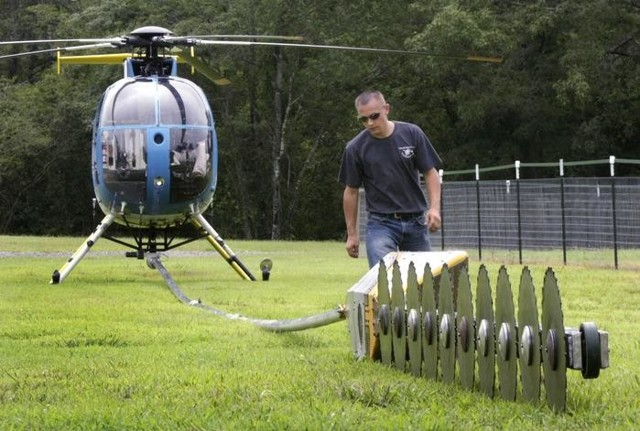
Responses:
[149,36]
[151,31]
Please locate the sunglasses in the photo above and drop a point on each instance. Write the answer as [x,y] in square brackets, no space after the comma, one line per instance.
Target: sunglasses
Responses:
[373,117]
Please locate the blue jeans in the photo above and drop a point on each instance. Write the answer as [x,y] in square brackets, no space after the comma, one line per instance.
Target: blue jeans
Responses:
[386,234]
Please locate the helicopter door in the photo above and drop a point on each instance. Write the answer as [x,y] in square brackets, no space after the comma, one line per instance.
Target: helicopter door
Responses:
[158,174]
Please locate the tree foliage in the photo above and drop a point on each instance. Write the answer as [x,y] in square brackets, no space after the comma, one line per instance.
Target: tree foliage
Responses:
[568,88]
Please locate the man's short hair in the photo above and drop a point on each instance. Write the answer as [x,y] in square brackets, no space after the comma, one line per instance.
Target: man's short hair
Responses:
[366,96]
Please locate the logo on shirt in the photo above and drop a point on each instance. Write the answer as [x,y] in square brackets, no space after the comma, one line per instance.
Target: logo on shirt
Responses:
[407,152]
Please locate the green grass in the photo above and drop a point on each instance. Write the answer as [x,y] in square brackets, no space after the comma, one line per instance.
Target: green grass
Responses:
[111,347]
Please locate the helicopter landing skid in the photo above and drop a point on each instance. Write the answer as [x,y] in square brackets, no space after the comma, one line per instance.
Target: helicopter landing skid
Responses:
[59,275]
[206,230]
[218,243]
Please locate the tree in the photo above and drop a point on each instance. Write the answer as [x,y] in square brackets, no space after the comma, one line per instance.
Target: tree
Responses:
[568,88]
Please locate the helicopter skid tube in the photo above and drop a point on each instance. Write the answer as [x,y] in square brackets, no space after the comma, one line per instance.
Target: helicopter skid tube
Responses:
[218,243]
[287,325]
[59,276]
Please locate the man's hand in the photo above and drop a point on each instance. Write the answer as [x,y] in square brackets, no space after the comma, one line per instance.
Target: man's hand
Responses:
[350,205]
[434,222]
[353,246]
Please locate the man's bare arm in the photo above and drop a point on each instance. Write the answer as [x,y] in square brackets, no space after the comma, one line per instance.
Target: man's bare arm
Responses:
[350,208]
[432,187]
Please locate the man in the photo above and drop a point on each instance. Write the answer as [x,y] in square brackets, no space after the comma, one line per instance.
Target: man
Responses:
[387,158]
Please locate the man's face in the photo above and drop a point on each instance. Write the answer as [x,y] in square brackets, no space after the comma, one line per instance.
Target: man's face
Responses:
[374,116]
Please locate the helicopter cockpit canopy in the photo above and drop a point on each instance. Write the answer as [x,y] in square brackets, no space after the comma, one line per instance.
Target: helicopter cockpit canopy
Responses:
[174,102]
[157,142]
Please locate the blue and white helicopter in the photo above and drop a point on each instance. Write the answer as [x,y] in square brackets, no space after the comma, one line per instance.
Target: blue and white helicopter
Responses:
[154,149]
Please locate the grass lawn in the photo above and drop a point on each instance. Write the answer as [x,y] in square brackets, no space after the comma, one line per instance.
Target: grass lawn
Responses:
[112,348]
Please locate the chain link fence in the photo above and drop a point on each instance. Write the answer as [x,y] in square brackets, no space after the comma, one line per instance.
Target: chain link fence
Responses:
[554,214]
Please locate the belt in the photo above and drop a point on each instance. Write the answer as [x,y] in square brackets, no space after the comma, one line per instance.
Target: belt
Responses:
[399,216]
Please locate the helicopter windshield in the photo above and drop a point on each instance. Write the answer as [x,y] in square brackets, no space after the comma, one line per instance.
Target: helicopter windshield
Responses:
[156,129]
[130,104]
[181,104]
[133,102]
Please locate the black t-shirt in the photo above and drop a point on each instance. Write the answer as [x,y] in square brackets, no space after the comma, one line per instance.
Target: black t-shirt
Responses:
[390,168]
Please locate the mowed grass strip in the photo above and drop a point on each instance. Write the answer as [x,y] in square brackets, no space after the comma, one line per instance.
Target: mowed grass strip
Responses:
[112,348]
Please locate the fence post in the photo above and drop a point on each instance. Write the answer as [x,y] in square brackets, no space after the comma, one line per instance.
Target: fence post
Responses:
[441,175]
[519,216]
[564,226]
[478,211]
[612,161]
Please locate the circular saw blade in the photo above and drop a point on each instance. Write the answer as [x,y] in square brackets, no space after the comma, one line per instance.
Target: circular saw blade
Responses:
[506,337]
[429,325]
[398,319]
[465,331]
[383,317]
[414,332]
[485,331]
[529,338]
[554,362]
[447,342]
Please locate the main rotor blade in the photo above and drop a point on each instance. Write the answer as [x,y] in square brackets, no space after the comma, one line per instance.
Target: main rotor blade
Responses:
[116,40]
[246,36]
[240,40]
[62,49]
[194,41]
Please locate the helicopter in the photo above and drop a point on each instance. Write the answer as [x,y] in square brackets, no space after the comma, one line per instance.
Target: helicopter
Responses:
[154,150]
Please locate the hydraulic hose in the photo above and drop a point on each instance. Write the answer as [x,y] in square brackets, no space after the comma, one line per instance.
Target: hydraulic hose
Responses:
[287,325]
